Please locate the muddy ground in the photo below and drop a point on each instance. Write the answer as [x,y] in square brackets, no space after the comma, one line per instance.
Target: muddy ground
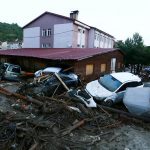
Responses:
[109,131]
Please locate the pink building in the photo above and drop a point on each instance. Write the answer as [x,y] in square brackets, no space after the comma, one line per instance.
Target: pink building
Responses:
[51,30]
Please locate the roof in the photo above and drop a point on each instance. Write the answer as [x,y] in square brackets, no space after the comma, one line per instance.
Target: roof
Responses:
[68,18]
[50,13]
[57,53]
[103,32]
[125,76]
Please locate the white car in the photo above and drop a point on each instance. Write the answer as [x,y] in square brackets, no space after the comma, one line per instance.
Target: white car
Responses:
[110,88]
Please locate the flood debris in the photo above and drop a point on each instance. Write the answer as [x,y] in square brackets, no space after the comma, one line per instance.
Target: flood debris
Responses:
[42,122]
[32,120]
[38,122]
[81,95]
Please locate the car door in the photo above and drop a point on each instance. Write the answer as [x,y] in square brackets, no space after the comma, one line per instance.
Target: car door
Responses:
[120,92]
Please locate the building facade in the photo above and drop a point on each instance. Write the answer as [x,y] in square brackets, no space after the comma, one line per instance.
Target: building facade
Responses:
[90,64]
[51,30]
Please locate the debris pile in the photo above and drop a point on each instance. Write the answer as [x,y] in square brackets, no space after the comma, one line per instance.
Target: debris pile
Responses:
[50,123]
[30,120]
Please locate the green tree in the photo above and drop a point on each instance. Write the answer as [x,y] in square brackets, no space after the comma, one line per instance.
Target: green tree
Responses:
[10,32]
[136,55]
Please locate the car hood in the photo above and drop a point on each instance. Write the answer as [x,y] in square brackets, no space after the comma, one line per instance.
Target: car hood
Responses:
[97,90]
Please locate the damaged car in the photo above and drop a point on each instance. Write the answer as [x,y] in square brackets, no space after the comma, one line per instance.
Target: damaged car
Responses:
[10,72]
[47,70]
[53,86]
[110,88]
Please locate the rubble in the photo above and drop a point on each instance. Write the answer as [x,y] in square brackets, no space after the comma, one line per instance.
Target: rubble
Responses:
[45,122]
[30,121]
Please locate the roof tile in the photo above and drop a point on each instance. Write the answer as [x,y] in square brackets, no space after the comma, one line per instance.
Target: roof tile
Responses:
[57,53]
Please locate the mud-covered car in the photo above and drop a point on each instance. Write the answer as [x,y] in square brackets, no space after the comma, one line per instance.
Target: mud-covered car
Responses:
[10,71]
[53,86]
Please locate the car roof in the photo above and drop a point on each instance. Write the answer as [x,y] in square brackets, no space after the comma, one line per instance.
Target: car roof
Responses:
[125,77]
[52,69]
[11,64]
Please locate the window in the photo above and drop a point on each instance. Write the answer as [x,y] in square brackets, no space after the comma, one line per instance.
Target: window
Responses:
[44,32]
[78,45]
[15,69]
[79,30]
[83,31]
[113,64]
[89,69]
[129,84]
[103,67]
[46,45]
[110,83]
[43,45]
[82,46]
[97,37]
[49,32]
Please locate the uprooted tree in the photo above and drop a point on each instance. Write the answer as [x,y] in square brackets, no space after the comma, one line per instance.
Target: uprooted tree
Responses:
[136,54]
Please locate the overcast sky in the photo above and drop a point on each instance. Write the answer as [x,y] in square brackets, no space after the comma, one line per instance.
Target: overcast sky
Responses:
[120,18]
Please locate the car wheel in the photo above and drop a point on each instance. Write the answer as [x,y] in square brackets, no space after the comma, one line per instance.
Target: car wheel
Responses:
[108,102]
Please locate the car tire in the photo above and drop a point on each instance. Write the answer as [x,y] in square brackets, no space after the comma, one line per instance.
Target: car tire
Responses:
[108,102]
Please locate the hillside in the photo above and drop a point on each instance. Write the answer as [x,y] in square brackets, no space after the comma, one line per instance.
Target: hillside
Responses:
[10,32]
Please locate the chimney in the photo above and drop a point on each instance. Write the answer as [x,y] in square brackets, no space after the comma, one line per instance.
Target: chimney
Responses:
[74,14]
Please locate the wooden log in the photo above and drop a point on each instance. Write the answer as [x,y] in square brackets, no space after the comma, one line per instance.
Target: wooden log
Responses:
[75,126]
[5,93]
[61,81]
[124,113]
[34,146]
[19,96]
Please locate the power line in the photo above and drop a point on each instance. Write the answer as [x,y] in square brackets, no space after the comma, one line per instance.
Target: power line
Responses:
[52,34]
[104,36]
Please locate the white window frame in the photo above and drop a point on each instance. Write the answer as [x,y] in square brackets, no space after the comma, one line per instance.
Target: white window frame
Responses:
[49,32]
[44,32]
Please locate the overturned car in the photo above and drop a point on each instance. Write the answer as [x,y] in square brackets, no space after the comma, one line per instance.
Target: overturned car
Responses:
[110,88]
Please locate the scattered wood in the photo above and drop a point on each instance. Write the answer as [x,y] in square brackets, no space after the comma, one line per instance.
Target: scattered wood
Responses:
[61,81]
[34,146]
[75,126]
[54,124]
[125,113]
[19,96]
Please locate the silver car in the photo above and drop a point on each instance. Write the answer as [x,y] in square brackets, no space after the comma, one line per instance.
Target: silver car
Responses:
[11,72]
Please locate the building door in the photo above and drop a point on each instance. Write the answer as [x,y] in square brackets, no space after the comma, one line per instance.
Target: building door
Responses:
[113,64]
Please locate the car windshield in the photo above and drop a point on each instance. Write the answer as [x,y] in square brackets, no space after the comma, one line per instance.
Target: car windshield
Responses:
[109,82]
[15,69]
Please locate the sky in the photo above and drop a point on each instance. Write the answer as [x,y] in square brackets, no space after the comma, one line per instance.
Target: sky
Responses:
[120,18]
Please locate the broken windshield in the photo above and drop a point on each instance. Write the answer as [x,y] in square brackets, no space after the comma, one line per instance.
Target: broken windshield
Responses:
[109,82]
